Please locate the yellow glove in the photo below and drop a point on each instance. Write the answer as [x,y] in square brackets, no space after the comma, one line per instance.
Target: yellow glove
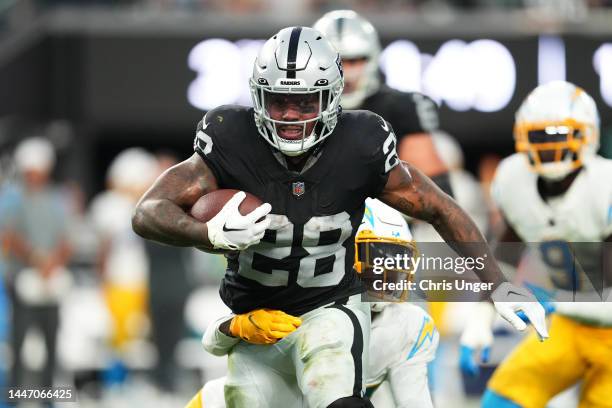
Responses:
[263,326]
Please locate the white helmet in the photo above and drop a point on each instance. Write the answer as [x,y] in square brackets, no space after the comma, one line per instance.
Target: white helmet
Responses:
[383,233]
[354,37]
[297,60]
[557,126]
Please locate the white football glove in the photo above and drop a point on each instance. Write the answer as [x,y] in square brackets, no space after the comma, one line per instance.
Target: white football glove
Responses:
[231,230]
[509,299]
[477,336]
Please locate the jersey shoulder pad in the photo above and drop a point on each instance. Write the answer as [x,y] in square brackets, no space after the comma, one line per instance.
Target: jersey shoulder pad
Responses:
[222,126]
[597,169]
[512,173]
[412,112]
[599,166]
[367,131]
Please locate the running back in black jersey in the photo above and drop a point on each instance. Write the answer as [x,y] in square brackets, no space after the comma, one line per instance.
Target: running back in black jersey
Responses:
[306,257]
[408,112]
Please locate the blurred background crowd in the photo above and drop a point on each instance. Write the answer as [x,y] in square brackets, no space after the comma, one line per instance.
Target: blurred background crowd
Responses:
[98,97]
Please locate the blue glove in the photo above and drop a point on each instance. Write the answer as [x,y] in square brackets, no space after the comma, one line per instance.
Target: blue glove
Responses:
[468,363]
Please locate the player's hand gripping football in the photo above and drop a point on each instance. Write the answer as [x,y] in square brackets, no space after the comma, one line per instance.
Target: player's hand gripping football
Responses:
[231,230]
[509,299]
[263,326]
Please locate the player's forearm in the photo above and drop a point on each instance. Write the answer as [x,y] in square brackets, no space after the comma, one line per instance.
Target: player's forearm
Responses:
[414,194]
[163,221]
[461,233]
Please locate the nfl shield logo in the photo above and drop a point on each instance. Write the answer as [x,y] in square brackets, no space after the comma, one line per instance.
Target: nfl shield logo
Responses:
[299,188]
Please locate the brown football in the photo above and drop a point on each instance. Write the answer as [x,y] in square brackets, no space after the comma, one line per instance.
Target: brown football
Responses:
[210,204]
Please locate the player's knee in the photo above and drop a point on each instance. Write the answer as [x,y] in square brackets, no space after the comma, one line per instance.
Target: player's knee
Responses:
[491,399]
[351,402]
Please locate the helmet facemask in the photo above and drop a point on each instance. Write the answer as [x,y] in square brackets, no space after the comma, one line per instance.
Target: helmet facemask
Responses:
[368,248]
[554,149]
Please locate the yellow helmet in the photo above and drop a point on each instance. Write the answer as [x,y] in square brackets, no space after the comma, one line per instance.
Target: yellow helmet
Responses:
[384,234]
[557,126]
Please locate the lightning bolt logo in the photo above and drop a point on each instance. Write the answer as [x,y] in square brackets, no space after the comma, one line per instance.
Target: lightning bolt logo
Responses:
[426,333]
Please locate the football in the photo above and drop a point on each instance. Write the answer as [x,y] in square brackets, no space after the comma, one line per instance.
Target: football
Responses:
[210,204]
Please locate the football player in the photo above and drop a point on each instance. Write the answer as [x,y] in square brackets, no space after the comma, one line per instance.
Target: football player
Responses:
[314,168]
[403,338]
[413,115]
[554,191]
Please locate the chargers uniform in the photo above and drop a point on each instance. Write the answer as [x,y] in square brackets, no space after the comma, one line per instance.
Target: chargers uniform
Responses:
[535,371]
[304,263]
[403,341]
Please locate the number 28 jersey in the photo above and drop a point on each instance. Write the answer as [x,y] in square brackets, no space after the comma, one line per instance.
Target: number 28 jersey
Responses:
[306,257]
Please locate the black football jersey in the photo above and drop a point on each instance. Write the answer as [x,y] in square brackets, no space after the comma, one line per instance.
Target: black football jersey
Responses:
[408,112]
[306,257]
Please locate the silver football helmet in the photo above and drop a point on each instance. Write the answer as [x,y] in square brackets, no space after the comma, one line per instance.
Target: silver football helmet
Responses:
[297,61]
[354,37]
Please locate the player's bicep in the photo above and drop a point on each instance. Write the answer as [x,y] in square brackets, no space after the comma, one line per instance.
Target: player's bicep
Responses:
[184,183]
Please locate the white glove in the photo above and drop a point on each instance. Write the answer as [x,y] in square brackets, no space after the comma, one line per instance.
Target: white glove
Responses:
[509,298]
[477,336]
[231,230]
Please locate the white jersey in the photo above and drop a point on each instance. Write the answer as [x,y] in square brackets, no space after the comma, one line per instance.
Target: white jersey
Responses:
[403,340]
[582,214]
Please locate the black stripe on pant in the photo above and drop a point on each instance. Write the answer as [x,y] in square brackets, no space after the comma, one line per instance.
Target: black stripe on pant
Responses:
[356,348]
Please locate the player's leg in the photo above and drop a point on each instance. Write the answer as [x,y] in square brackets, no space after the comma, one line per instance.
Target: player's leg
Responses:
[596,345]
[260,376]
[536,371]
[22,319]
[330,355]
[49,323]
